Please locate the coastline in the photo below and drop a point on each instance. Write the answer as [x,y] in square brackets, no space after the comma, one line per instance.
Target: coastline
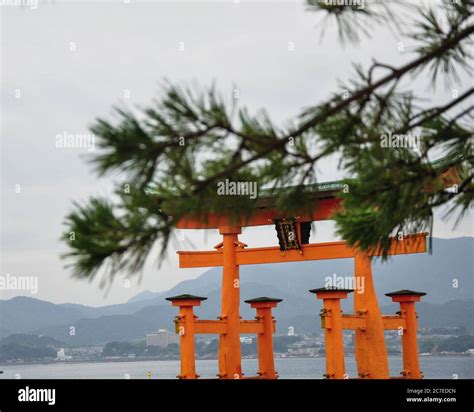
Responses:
[154,359]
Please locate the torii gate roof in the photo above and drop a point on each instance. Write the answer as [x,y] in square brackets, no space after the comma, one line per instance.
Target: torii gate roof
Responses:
[324,196]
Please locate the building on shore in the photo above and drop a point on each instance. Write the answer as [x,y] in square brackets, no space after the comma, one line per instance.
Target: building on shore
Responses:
[61,355]
[162,338]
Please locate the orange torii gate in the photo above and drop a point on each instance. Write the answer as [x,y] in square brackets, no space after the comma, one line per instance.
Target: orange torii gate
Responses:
[333,321]
[230,254]
[371,354]
[367,322]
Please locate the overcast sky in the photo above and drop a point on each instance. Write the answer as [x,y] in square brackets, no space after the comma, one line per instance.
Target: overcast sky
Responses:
[64,64]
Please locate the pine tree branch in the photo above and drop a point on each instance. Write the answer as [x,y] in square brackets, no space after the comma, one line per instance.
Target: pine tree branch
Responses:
[313,122]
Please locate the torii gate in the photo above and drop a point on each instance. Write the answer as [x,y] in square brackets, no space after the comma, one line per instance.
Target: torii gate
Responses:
[371,354]
[368,322]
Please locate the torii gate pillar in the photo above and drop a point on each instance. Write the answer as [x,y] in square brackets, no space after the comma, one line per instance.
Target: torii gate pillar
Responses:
[229,343]
[370,348]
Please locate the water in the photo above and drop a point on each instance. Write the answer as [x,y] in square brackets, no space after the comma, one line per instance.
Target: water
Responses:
[433,367]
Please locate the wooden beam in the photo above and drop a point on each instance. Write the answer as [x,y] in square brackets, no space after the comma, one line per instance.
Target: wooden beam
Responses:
[393,322]
[313,251]
[324,205]
[251,326]
[323,209]
[409,244]
[354,322]
[253,256]
[210,326]
[316,251]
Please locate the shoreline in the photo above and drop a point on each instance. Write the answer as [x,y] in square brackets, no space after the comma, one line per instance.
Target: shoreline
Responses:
[143,359]
[125,360]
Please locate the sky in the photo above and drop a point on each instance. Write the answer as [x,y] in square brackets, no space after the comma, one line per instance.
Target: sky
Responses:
[65,63]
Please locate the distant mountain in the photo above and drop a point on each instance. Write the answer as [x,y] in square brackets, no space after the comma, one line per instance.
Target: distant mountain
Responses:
[136,326]
[454,313]
[146,295]
[25,314]
[113,328]
[31,340]
[452,264]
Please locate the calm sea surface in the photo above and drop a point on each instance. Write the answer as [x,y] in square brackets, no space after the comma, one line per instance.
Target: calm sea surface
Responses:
[433,367]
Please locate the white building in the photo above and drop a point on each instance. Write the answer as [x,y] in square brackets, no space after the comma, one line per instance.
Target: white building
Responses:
[61,355]
[162,338]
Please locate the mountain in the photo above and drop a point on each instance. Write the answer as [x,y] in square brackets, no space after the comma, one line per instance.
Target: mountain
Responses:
[113,327]
[146,295]
[136,326]
[450,265]
[31,340]
[23,314]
